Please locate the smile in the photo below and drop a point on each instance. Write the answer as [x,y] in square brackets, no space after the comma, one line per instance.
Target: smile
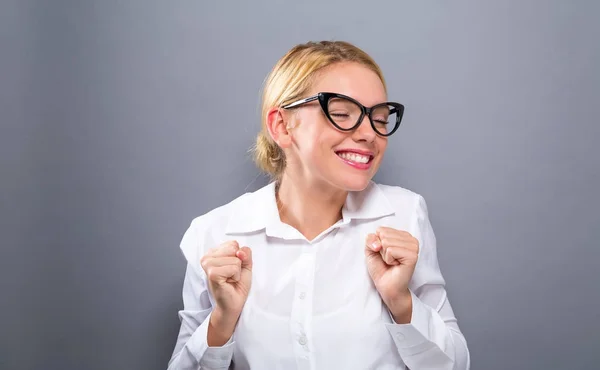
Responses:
[356,160]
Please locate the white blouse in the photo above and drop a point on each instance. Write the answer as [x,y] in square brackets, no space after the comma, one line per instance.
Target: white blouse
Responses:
[312,304]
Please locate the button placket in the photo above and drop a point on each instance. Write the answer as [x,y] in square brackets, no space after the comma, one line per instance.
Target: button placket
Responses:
[302,340]
[302,308]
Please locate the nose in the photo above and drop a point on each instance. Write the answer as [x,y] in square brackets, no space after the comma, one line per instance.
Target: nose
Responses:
[364,132]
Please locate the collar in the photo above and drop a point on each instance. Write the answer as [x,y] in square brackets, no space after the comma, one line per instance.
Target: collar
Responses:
[254,212]
[258,210]
[369,203]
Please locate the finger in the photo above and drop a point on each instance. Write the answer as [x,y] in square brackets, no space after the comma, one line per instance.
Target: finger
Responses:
[383,232]
[220,261]
[398,255]
[373,243]
[383,229]
[245,255]
[222,274]
[384,255]
[408,243]
[387,244]
[226,249]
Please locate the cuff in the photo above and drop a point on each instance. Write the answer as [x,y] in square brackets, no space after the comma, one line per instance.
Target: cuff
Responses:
[218,357]
[210,357]
[412,338]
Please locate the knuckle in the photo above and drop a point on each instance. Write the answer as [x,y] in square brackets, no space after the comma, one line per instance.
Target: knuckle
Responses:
[402,235]
[231,243]
[415,243]
[230,246]
[204,261]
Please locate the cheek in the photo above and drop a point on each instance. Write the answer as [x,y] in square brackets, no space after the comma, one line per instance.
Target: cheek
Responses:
[328,139]
[382,144]
[316,137]
[309,129]
[324,137]
[308,143]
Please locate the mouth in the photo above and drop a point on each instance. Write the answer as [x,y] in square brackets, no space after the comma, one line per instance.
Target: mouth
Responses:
[356,159]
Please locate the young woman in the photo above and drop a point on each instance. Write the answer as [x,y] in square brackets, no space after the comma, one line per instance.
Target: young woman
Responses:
[322,268]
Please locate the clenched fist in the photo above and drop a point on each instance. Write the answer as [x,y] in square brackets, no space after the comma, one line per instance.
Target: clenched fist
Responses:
[391,257]
[229,271]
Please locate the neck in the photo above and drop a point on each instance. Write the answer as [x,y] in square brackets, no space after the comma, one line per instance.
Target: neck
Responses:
[309,209]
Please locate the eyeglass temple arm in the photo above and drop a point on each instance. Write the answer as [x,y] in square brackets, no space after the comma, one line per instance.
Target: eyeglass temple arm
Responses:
[300,102]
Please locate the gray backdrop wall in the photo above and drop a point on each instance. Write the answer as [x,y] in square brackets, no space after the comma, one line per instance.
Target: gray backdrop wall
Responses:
[123,120]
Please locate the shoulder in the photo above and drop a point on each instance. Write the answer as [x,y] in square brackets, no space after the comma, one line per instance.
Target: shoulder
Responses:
[407,205]
[218,217]
[402,198]
[206,230]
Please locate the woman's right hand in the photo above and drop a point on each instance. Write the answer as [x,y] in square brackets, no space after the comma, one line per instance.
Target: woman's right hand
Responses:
[229,271]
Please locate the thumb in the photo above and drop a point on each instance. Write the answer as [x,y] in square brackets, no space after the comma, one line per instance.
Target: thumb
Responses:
[372,243]
[245,254]
[375,264]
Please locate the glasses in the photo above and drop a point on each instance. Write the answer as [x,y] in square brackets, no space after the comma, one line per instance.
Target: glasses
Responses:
[346,114]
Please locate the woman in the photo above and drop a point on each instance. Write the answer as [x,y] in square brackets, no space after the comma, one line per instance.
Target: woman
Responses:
[322,268]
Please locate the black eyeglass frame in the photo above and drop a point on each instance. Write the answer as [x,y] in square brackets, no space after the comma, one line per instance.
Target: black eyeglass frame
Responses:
[324,98]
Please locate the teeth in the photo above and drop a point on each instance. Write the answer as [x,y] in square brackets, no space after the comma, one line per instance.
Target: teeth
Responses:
[354,157]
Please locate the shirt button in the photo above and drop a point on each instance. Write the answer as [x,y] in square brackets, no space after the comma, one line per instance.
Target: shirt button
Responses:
[400,336]
[302,295]
[302,340]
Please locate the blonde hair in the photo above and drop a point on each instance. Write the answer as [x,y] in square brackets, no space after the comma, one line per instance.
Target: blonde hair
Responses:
[289,80]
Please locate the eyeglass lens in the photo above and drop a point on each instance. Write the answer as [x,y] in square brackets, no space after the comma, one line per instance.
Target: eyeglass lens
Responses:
[346,115]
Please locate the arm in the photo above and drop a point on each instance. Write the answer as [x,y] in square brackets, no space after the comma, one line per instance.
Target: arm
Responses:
[191,349]
[432,338]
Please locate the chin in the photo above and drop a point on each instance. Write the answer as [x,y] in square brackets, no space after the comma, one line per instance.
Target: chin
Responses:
[351,174]
[353,183]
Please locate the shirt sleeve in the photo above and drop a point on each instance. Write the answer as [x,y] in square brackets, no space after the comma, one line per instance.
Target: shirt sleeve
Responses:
[191,349]
[432,339]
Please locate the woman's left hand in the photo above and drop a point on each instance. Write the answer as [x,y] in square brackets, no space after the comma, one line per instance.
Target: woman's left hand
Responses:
[391,257]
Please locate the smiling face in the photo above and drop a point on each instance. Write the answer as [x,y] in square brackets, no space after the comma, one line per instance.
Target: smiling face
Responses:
[320,153]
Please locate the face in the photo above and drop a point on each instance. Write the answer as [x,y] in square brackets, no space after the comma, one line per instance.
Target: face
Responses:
[321,154]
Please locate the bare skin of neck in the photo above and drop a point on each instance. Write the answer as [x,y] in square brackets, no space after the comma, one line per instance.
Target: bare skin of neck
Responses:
[309,209]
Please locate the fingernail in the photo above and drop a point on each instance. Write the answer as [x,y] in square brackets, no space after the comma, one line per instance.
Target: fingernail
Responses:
[374,246]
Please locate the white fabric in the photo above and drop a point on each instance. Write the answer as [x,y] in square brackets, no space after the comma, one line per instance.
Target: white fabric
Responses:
[312,304]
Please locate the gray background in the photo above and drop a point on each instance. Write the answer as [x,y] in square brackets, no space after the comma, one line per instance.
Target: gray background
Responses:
[123,120]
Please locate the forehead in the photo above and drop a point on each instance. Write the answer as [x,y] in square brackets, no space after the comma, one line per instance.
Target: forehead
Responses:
[351,79]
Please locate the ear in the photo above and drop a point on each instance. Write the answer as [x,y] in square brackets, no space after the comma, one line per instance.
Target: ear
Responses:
[277,126]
